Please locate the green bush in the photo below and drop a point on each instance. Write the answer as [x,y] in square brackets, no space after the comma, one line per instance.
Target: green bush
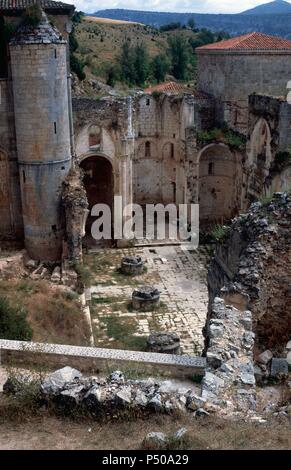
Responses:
[77,66]
[227,136]
[13,322]
[219,232]
[32,15]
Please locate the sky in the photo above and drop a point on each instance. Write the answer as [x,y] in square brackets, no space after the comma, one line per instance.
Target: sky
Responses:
[196,6]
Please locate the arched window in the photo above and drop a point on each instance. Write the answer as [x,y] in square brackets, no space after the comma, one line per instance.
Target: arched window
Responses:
[147,149]
[211,168]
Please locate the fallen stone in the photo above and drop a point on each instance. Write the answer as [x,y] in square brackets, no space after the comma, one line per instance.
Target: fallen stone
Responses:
[278,366]
[180,434]
[31,264]
[156,403]
[72,396]
[141,398]
[201,412]
[94,397]
[56,275]
[194,402]
[155,441]
[265,357]
[123,396]
[56,382]
[116,377]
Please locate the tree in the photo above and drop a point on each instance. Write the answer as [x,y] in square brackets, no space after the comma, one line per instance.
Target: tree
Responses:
[160,66]
[191,23]
[179,52]
[141,64]
[126,63]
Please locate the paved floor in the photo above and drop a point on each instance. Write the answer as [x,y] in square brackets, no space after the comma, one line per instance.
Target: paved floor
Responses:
[180,275]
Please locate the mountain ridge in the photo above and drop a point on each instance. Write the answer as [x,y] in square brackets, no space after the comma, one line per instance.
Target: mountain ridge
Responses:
[234,24]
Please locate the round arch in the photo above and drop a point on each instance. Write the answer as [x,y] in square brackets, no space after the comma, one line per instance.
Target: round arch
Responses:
[98,182]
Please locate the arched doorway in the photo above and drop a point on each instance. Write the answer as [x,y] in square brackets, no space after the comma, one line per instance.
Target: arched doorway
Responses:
[99,184]
[218,185]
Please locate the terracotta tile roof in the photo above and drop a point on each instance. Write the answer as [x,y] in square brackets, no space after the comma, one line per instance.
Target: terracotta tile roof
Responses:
[252,41]
[171,88]
[6,5]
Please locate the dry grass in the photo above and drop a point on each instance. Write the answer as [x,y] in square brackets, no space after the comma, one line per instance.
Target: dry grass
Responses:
[54,316]
[96,19]
[48,432]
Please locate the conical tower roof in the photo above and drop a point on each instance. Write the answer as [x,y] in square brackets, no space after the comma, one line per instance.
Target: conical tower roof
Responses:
[42,33]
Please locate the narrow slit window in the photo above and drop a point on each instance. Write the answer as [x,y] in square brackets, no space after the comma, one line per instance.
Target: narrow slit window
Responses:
[55,127]
[23,176]
[147,149]
[211,168]
[55,53]
[148,102]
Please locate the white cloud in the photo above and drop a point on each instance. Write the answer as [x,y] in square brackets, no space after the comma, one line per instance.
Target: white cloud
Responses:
[196,6]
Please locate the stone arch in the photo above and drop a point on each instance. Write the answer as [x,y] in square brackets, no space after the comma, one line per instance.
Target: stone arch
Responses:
[98,181]
[5,196]
[260,153]
[218,184]
[93,138]
[259,157]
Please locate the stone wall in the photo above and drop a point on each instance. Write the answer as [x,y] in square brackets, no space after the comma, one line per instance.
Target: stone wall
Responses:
[232,76]
[97,360]
[251,270]
[10,203]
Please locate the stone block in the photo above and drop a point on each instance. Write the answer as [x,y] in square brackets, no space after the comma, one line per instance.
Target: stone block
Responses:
[279,366]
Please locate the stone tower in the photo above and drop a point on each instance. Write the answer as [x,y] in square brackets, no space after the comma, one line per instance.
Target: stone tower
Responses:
[42,122]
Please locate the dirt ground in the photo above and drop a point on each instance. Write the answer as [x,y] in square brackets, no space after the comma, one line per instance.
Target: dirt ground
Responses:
[45,433]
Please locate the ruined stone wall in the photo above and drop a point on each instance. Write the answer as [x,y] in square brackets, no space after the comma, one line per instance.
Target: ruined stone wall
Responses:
[232,76]
[10,204]
[249,303]
[252,265]
[159,174]
[220,183]
[269,135]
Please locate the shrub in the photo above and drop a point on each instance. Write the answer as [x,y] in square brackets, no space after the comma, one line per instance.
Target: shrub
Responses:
[33,15]
[13,322]
[219,232]
[77,66]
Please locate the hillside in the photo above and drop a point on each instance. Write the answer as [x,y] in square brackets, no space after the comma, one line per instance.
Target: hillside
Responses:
[100,45]
[276,24]
[278,7]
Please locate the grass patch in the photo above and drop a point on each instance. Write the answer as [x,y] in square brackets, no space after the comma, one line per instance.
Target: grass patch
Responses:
[122,330]
[53,314]
[103,300]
